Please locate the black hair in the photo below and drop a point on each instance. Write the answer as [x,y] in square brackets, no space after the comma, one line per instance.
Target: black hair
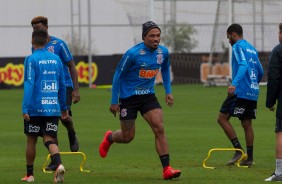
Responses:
[39,37]
[235,28]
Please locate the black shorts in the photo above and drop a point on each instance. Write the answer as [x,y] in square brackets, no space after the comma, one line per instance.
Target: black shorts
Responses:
[130,106]
[239,107]
[42,125]
[278,125]
[69,99]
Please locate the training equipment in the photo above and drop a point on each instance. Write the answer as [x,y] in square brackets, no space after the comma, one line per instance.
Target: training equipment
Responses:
[169,173]
[105,145]
[28,178]
[243,156]
[67,153]
[59,174]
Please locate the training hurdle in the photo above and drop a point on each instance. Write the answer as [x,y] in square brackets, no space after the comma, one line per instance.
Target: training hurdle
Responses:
[67,153]
[224,149]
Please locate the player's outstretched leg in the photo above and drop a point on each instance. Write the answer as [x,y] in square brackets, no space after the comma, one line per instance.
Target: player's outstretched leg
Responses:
[169,173]
[105,144]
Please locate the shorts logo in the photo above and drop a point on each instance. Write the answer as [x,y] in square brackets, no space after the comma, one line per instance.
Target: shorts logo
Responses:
[123,112]
[238,110]
[34,129]
[51,127]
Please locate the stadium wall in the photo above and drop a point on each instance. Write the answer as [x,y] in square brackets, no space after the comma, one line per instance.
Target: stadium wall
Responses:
[186,69]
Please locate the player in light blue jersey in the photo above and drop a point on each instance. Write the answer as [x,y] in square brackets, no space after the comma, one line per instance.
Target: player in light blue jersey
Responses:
[59,47]
[44,102]
[133,91]
[243,93]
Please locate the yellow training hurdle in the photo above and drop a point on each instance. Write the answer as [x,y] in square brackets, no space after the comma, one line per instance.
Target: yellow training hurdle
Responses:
[225,149]
[67,153]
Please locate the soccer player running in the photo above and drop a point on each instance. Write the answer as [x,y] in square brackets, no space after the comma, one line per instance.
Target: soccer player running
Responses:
[274,92]
[59,47]
[44,101]
[243,93]
[133,86]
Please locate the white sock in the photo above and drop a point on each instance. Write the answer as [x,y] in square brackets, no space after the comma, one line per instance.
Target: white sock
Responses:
[278,170]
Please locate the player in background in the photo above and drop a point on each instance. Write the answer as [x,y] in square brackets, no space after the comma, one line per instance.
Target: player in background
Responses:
[242,94]
[133,91]
[44,101]
[59,47]
[274,93]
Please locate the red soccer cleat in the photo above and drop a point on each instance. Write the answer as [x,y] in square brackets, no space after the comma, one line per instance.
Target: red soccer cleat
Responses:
[169,173]
[105,145]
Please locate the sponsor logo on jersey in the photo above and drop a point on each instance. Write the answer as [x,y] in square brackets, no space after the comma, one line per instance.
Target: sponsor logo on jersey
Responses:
[49,102]
[123,112]
[49,72]
[252,61]
[254,86]
[238,110]
[48,110]
[159,58]
[51,127]
[54,42]
[251,51]
[48,86]
[142,52]
[47,62]
[159,51]
[143,64]
[141,91]
[34,129]
[253,75]
[148,74]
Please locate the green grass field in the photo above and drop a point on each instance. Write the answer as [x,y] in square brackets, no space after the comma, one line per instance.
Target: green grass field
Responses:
[191,130]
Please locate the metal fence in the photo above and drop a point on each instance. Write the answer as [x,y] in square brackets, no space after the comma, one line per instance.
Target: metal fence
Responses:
[116,24]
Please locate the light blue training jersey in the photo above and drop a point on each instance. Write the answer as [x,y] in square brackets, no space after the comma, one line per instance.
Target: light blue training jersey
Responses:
[59,47]
[247,71]
[137,70]
[44,85]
